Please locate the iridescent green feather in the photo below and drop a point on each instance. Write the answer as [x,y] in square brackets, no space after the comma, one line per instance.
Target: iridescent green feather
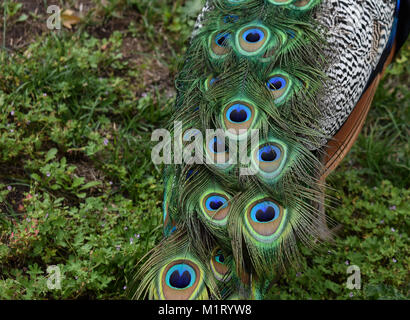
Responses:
[254,64]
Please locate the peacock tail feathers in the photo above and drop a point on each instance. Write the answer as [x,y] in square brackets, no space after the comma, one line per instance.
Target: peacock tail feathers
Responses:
[174,271]
[253,87]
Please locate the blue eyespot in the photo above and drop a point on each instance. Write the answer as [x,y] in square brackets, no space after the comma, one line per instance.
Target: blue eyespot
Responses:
[238,113]
[218,146]
[276,83]
[220,257]
[253,35]
[269,153]
[180,276]
[265,212]
[214,203]
[222,39]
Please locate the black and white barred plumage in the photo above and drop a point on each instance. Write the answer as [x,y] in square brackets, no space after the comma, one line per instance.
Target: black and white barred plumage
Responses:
[357,33]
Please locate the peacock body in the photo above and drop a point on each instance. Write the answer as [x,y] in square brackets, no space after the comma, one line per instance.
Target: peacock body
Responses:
[284,86]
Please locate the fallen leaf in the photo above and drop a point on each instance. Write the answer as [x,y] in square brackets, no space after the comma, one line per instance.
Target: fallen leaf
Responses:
[69,18]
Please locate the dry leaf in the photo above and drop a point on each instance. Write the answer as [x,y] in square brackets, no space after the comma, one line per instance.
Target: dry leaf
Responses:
[68,18]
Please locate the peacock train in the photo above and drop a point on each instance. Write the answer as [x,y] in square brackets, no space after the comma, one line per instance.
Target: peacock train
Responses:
[301,75]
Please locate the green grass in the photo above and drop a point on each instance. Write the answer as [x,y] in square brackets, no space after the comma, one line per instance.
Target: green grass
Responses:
[78,189]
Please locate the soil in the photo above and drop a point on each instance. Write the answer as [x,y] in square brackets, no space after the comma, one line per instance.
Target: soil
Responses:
[20,34]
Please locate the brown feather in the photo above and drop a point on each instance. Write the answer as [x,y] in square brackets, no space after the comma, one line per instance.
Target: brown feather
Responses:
[342,142]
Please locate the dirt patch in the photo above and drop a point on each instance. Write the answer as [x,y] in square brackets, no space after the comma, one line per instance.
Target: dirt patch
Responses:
[90,174]
[19,34]
[13,205]
[152,71]
[138,52]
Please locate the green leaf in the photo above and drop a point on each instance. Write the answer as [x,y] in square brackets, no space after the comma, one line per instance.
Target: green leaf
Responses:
[51,154]
[36,177]
[90,185]
[22,18]
[55,187]
[77,182]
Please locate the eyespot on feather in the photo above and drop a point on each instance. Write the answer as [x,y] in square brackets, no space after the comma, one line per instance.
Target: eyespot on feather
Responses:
[263,219]
[238,115]
[280,85]
[220,43]
[252,39]
[270,156]
[216,207]
[219,265]
[181,279]
[269,160]
[217,145]
[217,151]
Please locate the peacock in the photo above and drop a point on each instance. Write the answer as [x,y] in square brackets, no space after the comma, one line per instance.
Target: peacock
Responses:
[270,98]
